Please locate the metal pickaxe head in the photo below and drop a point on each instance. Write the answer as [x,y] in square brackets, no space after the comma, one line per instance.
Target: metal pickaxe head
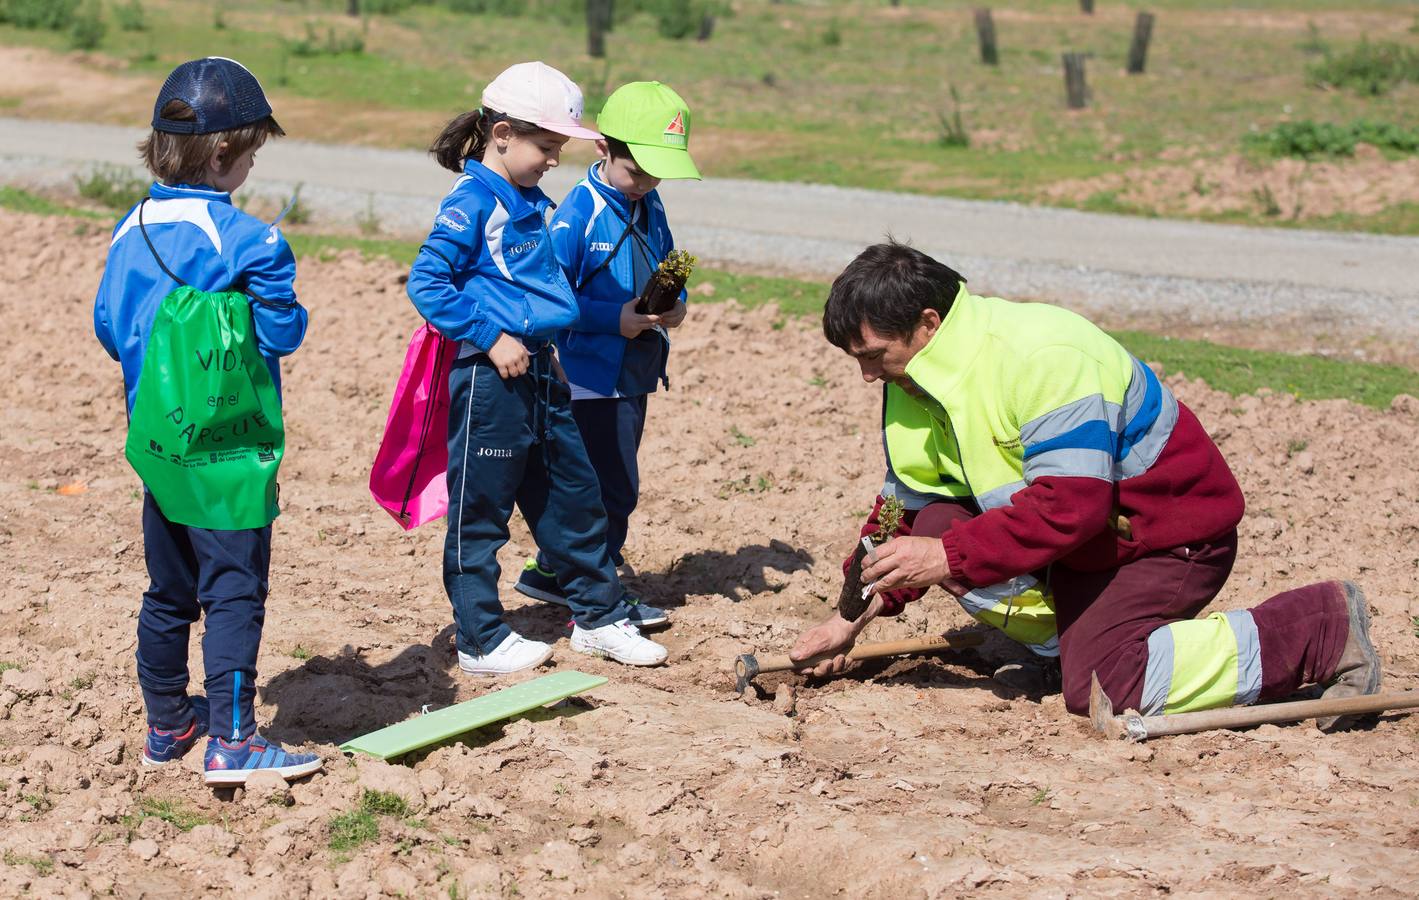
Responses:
[746,667]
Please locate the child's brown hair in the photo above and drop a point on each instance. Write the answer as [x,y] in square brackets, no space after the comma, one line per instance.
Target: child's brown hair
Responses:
[183,158]
[466,136]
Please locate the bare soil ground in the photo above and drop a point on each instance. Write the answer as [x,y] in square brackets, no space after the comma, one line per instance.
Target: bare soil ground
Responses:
[910,780]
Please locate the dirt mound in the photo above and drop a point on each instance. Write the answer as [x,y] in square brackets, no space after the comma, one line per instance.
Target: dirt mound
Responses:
[915,778]
[1284,189]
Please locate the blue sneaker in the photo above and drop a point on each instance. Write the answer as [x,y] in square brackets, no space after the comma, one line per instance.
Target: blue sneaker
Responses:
[643,615]
[166,746]
[540,584]
[232,763]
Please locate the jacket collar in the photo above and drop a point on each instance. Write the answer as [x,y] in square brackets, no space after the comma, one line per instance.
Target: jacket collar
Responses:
[614,198]
[939,367]
[160,191]
[519,201]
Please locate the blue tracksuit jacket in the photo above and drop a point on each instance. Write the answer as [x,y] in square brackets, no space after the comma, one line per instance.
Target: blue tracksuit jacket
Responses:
[487,266]
[211,245]
[586,229]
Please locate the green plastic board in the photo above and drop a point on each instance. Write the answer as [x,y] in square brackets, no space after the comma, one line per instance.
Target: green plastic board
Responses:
[440,724]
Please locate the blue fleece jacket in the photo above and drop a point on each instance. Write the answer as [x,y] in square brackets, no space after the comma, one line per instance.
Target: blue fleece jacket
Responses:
[213,246]
[487,267]
[586,231]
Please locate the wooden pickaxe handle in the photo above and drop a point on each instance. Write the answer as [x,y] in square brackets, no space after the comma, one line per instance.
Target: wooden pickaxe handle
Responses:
[1132,726]
[747,666]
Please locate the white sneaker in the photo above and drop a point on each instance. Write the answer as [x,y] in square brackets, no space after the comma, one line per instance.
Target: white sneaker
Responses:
[514,654]
[620,641]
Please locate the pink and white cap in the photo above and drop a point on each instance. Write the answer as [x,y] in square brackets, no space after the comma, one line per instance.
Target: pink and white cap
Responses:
[537,93]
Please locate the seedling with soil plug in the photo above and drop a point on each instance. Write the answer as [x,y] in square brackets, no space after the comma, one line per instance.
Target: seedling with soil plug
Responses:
[662,292]
[852,603]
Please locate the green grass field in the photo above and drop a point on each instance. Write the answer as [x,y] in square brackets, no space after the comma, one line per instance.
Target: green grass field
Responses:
[838,92]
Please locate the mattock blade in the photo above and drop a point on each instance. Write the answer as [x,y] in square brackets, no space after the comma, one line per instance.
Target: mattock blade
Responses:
[1101,710]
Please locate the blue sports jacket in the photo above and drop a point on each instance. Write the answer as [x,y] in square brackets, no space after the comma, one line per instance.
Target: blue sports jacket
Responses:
[487,266]
[213,246]
[586,231]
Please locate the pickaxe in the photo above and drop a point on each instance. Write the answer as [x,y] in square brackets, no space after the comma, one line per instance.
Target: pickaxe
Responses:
[747,666]
[1132,726]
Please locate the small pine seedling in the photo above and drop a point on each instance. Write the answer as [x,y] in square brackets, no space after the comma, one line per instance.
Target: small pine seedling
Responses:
[889,519]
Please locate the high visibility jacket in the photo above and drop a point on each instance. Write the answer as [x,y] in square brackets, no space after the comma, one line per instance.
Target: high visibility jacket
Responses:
[1074,451]
[1055,432]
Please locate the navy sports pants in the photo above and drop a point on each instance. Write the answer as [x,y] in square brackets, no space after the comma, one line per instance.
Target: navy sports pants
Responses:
[514,441]
[196,571]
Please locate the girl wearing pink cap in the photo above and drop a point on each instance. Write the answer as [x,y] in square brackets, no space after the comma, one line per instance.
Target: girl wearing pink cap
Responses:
[487,277]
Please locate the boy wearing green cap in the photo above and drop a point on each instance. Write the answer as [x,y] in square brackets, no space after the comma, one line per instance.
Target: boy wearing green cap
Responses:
[610,234]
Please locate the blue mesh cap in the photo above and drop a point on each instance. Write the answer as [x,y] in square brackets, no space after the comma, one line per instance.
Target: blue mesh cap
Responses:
[222,92]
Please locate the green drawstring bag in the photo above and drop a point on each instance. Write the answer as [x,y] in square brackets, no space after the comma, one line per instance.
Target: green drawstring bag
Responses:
[205,432]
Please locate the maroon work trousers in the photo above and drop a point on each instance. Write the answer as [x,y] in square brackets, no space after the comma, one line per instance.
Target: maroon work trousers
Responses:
[1105,617]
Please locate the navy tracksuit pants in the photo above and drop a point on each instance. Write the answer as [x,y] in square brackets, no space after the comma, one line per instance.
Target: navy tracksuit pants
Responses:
[515,441]
[611,429]
[196,571]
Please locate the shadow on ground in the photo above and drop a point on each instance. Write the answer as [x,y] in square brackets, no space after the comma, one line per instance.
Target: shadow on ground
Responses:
[333,699]
[746,570]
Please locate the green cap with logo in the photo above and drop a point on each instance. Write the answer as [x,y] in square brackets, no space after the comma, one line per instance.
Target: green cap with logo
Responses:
[654,122]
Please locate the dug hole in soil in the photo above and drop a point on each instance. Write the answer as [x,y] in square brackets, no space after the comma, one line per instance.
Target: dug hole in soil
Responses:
[918,778]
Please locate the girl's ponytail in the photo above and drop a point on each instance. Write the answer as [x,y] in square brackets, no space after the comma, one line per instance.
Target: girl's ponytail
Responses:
[466,137]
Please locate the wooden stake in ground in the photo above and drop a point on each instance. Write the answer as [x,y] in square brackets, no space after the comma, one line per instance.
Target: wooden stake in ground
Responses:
[747,666]
[985,31]
[1132,726]
[1075,88]
[1086,7]
[598,19]
[1138,50]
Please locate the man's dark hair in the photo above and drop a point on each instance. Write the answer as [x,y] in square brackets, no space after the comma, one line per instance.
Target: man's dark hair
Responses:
[888,287]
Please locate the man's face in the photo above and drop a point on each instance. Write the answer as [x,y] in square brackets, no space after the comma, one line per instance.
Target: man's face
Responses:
[883,358]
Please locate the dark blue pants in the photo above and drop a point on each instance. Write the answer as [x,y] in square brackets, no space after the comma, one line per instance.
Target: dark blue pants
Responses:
[611,429]
[196,571]
[509,442]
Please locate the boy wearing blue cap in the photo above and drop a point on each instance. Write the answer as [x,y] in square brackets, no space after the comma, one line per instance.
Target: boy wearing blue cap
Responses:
[210,118]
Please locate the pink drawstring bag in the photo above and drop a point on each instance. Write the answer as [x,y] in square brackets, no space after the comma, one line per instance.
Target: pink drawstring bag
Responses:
[409,474]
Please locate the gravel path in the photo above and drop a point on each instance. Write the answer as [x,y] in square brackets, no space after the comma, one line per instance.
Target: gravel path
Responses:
[1133,267]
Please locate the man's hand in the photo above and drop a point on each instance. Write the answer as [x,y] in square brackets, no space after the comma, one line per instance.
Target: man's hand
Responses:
[834,636]
[672,317]
[509,356]
[910,562]
[633,323]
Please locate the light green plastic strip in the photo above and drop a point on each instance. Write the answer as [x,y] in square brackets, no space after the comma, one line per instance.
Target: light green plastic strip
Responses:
[440,724]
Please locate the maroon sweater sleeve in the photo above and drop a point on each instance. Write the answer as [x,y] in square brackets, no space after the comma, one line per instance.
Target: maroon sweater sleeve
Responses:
[1046,520]
[1189,494]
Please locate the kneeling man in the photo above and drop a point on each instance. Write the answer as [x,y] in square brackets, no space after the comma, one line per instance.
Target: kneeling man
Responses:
[1061,492]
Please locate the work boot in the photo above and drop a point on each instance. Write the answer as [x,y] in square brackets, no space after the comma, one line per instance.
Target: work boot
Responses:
[1040,675]
[1358,672]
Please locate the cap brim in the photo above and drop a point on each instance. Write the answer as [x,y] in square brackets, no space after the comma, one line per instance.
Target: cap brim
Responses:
[664,162]
[574,131]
